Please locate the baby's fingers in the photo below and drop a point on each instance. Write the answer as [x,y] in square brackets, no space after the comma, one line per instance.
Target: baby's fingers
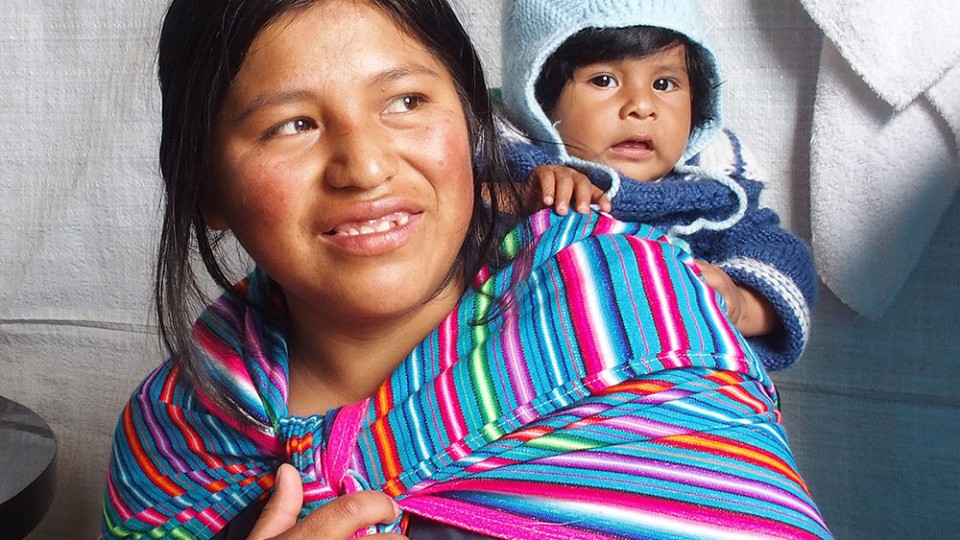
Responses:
[564,186]
[547,180]
[601,200]
[587,194]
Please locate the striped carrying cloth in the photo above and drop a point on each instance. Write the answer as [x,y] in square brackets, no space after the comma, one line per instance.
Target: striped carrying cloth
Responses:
[604,396]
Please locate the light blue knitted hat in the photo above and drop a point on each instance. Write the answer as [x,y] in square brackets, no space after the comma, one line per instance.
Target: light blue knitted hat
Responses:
[535,29]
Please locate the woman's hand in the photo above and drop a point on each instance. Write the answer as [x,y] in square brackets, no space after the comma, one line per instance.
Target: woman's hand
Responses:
[751,313]
[562,187]
[338,520]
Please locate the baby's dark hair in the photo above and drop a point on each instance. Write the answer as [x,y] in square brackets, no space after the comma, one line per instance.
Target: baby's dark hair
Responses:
[592,45]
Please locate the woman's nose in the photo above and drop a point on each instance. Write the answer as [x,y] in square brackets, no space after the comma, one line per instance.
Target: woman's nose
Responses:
[359,159]
[639,103]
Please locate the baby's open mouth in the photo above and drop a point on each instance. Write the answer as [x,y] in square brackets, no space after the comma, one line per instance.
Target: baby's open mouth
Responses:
[379,225]
[640,143]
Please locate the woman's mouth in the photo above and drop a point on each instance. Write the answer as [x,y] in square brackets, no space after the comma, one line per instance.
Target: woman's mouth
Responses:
[372,226]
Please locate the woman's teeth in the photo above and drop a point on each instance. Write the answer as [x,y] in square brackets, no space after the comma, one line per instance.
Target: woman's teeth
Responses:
[380,225]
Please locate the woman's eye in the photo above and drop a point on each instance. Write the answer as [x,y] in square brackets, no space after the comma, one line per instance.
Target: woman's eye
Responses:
[406,103]
[664,85]
[293,127]
[604,81]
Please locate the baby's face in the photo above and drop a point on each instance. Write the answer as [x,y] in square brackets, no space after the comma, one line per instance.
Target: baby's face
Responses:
[633,114]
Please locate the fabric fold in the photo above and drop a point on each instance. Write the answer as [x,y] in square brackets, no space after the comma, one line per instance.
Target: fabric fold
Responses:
[885,147]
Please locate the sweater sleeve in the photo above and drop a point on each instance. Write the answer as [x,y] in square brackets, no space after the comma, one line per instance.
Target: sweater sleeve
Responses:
[758,253]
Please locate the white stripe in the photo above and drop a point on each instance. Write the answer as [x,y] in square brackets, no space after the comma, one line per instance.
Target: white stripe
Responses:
[657,522]
[782,283]
[594,311]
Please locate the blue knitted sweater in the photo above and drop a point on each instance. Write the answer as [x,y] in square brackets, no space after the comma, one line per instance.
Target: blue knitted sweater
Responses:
[756,251]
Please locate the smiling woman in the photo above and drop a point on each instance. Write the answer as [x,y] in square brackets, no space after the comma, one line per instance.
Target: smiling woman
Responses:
[350,184]
[400,361]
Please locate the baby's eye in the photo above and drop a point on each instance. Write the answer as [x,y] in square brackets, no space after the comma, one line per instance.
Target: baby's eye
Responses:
[604,81]
[664,85]
[293,127]
[405,103]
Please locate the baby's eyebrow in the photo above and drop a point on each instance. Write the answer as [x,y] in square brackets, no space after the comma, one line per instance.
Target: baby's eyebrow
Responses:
[672,68]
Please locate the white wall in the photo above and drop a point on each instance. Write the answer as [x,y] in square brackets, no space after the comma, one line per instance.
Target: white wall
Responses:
[872,408]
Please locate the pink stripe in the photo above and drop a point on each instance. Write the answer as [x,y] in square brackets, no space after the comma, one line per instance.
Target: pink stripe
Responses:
[570,262]
[117,501]
[489,464]
[274,373]
[663,302]
[444,387]
[450,406]
[342,442]
[226,357]
[635,310]
[570,352]
[488,521]
[152,517]
[657,508]
[316,491]
[540,222]
[522,386]
[212,519]
[458,450]
[607,225]
[447,336]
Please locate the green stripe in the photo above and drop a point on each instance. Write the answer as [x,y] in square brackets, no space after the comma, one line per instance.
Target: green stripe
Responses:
[483,389]
[511,244]
[562,443]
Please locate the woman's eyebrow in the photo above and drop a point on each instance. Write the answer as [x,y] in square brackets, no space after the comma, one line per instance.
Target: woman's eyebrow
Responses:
[380,79]
[271,100]
[400,72]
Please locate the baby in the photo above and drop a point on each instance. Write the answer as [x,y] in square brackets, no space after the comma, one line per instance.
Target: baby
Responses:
[629,93]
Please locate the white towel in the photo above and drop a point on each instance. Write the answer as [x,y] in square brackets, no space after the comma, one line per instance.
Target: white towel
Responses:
[885,149]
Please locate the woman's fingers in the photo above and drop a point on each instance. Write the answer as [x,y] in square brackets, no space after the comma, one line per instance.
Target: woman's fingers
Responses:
[280,513]
[339,519]
[343,517]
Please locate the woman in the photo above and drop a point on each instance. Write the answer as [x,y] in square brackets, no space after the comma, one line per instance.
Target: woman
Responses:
[412,367]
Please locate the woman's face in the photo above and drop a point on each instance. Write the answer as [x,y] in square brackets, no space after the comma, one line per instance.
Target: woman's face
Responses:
[343,166]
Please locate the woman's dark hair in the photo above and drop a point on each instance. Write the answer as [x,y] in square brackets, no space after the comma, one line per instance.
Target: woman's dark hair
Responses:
[592,45]
[202,46]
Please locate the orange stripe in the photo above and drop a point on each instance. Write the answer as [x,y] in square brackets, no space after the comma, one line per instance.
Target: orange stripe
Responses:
[217,486]
[149,470]
[170,384]
[713,461]
[644,387]
[738,394]
[732,379]
[194,441]
[391,461]
[384,400]
[743,451]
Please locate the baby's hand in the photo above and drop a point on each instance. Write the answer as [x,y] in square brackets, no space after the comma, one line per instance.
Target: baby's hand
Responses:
[751,313]
[561,187]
